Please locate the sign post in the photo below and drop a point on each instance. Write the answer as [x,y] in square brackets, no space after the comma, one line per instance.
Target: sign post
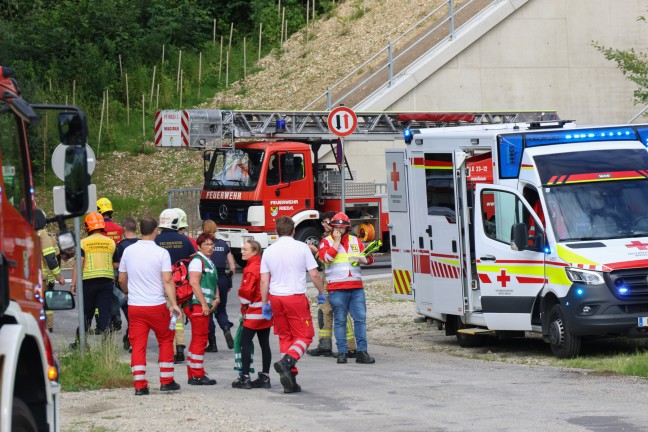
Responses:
[342,121]
[58,165]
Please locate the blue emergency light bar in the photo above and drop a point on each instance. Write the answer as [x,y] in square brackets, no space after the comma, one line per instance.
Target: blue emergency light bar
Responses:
[582,135]
[511,146]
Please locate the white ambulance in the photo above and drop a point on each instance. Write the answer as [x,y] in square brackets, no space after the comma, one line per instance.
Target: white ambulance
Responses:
[539,227]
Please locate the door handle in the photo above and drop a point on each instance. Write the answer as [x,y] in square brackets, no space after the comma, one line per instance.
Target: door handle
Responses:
[487,258]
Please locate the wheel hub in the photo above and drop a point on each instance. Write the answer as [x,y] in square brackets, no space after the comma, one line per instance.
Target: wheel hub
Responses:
[557,333]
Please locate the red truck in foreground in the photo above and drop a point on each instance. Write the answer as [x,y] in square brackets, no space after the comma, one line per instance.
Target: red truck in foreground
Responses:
[29,372]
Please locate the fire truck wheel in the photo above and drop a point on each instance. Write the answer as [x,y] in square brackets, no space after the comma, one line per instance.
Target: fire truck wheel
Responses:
[22,419]
[563,343]
[308,235]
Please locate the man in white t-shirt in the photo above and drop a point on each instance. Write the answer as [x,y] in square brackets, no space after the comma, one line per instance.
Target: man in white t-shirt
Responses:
[283,283]
[145,277]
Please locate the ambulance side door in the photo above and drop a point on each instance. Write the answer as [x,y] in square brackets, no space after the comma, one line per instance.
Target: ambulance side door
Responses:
[509,279]
[441,233]
[400,236]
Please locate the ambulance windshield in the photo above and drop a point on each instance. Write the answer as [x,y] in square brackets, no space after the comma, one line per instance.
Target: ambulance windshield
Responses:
[234,169]
[596,195]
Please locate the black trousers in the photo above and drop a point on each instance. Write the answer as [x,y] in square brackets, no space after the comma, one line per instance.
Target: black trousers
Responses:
[246,343]
[97,294]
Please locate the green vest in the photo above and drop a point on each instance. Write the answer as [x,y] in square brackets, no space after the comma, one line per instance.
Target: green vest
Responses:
[208,281]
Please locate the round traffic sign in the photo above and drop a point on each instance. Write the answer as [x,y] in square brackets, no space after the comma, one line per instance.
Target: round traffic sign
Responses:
[342,121]
[58,160]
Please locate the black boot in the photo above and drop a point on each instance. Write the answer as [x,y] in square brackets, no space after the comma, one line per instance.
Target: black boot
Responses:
[342,358]
[179,356]
[287,378]
[228,338]
[211,346]
[364,358]
[316,352]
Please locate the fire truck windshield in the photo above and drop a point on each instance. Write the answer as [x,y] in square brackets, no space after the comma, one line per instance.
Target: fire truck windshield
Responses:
[234,169]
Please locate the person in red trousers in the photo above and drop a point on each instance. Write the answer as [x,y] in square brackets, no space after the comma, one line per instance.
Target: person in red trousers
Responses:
[145,277]
[204,282]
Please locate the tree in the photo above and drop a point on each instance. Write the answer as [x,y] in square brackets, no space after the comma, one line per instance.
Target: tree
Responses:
[633,65]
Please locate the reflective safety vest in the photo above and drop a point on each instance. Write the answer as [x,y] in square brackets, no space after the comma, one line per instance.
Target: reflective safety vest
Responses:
[340,269]
[50,256]
[98,253]
[208,280]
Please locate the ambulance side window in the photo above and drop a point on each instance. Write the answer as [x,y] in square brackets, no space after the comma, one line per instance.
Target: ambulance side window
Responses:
[500,210]
[439,185]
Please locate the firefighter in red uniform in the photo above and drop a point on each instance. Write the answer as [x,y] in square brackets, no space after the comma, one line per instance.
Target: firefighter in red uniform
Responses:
[344,283]
[112,230]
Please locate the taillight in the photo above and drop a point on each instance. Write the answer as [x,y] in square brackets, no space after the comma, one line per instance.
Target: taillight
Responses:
[52,368]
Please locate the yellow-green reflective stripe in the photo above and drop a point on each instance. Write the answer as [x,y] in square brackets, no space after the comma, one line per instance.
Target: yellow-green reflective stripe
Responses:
[518,270]
[573,258]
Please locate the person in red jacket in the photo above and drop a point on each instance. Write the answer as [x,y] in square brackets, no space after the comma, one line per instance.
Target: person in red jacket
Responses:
[253,320]
[339,251]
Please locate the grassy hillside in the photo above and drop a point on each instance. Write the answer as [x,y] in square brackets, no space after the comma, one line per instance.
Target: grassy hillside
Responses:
[288,79]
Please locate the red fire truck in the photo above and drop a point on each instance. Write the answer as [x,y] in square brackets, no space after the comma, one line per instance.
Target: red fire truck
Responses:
[28,366]
[269,164]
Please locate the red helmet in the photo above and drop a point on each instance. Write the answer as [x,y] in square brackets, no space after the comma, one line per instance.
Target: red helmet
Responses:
[340,219]
[94,221]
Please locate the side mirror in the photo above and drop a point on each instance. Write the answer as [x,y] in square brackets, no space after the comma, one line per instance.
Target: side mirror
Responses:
[40,220]
[519,237]
[76,180]
[59,300]
[73,128]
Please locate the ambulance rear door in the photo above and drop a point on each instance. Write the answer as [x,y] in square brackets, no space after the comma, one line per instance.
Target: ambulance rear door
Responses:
[400,236]
[510,280]
[435,233]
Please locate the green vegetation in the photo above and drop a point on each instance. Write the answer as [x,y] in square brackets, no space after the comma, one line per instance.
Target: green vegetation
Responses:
[100,368]
[624,364]
[633,64]
[102,56]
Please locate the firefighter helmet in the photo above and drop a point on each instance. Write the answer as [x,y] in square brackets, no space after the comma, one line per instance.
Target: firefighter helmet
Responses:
[182,223]
[104,205]
[169,219]
[340,220]
[94,221]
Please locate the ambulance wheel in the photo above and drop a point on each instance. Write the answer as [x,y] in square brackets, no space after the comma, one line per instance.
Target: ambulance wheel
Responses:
[309,235]
[22,419]
[469,341]
[563,343]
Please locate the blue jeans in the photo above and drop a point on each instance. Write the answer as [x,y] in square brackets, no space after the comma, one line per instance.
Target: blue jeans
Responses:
[349,301]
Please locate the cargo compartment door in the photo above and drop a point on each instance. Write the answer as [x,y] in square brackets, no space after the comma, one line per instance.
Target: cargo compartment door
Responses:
[399,223]
[509,279]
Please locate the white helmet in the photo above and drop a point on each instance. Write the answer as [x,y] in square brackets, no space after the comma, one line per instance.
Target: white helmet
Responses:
[183,218]
[169,219]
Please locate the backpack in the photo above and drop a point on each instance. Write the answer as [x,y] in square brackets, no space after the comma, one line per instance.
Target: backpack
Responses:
[180,275]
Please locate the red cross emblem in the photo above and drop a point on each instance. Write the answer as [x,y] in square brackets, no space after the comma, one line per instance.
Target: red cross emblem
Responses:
[395,177]
[503,278]
[638,245]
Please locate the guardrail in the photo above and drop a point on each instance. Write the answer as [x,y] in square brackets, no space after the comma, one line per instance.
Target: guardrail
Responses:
[442,24]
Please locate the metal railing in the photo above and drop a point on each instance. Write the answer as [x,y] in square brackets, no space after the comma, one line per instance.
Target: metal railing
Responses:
[438,26]
[188,199]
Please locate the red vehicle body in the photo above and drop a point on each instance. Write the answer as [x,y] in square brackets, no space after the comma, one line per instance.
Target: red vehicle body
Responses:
[29,384]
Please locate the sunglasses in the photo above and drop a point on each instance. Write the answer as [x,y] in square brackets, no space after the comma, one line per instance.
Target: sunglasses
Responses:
[326,222]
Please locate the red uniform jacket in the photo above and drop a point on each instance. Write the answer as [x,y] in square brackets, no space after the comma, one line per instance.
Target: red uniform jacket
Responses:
[113,231]
[327,254]
[250,296]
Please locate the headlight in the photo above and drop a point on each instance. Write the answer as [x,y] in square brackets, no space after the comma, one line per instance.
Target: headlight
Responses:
[587,277]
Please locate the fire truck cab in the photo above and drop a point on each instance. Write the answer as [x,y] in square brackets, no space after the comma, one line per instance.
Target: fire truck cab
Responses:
[539,227]
[29,370]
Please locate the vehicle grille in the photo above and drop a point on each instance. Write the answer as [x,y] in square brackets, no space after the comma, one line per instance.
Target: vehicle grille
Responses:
[635,280]
[226,212]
